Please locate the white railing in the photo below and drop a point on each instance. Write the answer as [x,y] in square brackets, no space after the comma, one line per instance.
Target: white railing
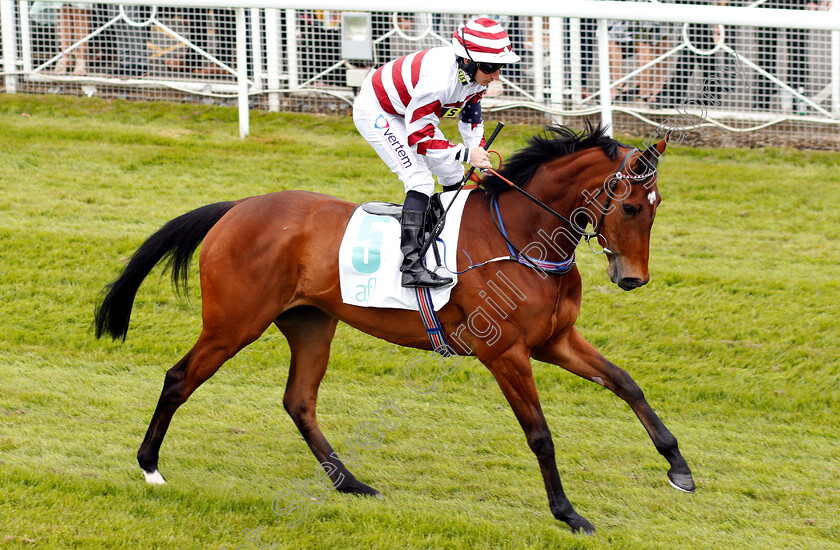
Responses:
[269,36]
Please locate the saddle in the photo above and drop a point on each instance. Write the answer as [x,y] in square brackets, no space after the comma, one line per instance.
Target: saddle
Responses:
[394,210]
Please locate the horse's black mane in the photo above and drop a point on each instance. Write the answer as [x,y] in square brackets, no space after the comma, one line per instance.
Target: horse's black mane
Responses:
[553,142]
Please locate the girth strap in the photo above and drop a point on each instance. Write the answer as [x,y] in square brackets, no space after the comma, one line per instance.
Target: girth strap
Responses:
[432,323]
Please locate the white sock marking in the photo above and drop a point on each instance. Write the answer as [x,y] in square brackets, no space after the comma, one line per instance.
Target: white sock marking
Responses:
[154,478]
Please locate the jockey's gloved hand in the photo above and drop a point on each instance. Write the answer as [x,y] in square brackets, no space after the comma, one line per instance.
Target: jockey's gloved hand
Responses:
[479,158]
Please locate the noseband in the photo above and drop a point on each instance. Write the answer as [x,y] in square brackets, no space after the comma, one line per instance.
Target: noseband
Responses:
[596,234]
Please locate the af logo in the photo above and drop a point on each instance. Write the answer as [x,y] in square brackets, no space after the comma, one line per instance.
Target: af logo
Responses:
[365,292]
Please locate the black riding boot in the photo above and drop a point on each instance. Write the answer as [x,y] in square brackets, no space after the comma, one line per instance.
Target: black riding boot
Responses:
[414,273]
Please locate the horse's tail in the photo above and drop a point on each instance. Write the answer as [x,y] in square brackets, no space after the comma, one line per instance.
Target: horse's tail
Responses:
[176,241]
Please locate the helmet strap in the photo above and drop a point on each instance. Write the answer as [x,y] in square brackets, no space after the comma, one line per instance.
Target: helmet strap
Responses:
[468,67]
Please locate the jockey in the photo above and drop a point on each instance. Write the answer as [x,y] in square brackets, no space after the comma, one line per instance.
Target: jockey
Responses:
[398,110]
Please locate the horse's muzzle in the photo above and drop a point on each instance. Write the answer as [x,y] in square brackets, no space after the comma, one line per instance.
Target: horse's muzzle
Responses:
[615,269]
[629,283]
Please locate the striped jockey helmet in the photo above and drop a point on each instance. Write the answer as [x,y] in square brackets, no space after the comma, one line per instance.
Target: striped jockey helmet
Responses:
[485,40]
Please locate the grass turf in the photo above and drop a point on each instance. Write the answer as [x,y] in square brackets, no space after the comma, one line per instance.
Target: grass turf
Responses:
[734,341]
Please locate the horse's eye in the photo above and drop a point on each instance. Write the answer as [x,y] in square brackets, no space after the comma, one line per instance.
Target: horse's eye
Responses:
[630,210]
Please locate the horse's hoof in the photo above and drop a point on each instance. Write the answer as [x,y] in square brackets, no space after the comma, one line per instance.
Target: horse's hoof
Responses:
[153,478]
[581,525]
[682,482]
[359,488]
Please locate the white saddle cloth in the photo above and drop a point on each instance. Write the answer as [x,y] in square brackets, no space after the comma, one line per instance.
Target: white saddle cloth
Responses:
[369,259]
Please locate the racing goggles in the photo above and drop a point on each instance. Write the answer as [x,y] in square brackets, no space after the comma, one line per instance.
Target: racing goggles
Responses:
[489,68]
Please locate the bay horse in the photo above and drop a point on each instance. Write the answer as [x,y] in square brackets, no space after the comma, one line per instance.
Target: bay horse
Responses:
[268,260]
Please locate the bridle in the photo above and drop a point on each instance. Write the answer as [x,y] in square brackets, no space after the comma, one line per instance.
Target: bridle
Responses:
[596,233]
[614,179]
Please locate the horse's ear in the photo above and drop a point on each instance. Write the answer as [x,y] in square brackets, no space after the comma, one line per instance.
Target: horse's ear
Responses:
[649,158]
[653,152]
[663,143]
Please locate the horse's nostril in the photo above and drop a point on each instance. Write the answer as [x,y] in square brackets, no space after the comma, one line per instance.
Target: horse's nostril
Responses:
[629,283]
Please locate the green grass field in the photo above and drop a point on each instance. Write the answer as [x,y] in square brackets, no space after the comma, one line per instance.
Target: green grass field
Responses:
[734,341]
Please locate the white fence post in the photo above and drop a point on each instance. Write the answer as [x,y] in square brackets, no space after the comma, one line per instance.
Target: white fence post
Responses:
[604,76]
[272,57]
[292,47]
[242,71]
[7,14]
[575,68]
[25,38]
[256,47]
[537,35]
[556,67]
[835,64]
